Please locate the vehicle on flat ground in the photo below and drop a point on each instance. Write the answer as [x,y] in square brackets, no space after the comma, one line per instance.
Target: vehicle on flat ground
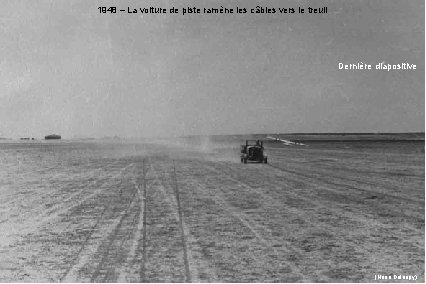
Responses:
[253,152]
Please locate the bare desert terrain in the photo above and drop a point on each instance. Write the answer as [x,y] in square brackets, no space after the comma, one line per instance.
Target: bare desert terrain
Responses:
[176,211]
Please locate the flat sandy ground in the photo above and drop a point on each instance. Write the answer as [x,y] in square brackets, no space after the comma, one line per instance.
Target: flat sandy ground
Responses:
[123,212]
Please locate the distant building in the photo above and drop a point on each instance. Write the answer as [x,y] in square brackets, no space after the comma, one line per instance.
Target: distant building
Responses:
[52,136]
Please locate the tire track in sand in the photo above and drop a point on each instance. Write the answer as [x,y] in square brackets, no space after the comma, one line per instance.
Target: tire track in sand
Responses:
[113,254]
[252,226]
[256,230]
[61,209]
[144,228]
[202,265]
[84,254]
[182,230]
[361,217]
[363,221]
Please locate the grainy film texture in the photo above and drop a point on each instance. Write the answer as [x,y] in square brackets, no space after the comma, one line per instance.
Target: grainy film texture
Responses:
[212,141]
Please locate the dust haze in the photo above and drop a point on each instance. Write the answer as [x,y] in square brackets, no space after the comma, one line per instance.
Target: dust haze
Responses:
[146,179]
[82,74]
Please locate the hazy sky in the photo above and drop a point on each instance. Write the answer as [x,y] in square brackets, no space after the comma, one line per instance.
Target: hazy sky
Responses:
[67,69]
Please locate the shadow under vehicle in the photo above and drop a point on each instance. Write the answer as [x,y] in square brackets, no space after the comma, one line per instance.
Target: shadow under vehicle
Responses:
[253,152]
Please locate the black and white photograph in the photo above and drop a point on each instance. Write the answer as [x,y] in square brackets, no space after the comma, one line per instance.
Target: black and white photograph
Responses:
[212,141]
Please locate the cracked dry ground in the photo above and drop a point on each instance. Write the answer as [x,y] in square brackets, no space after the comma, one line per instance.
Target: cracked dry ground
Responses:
[93,212]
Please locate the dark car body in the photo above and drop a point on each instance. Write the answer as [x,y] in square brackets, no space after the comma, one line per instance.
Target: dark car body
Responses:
[253,152]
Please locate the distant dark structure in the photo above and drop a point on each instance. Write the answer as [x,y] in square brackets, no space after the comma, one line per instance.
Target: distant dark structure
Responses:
[25,138]
[52,136]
